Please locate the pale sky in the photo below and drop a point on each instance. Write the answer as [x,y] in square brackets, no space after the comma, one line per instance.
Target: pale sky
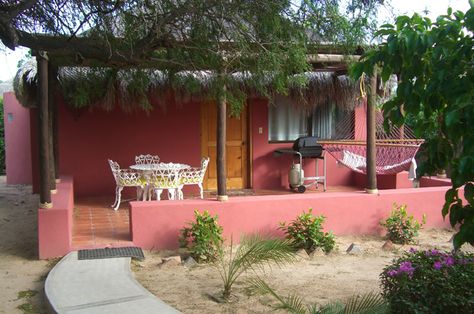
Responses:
[9,59]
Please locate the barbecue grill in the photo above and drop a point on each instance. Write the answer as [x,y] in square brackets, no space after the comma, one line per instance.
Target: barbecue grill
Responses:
[306,147]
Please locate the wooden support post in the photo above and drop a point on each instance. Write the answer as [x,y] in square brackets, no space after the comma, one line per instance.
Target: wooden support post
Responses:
[371,148]
[55,131]
[43,131]
[221,147]
[51,118]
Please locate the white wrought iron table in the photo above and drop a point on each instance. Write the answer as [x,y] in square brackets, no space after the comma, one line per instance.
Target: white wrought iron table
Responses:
[147,170]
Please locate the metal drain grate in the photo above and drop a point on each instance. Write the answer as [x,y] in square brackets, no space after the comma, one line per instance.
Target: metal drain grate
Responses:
[131,251]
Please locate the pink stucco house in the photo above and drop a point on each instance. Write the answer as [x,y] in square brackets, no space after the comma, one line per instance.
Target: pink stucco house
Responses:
[184,132]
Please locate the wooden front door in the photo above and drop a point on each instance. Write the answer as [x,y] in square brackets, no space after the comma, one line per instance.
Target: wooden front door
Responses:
[236,147]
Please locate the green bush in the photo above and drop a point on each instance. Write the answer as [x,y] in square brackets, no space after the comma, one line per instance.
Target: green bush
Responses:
[430,282]
[306,232]
[401,228]
[203,237]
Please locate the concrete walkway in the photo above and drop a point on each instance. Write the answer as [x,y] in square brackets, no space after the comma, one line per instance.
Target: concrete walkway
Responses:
[99,286]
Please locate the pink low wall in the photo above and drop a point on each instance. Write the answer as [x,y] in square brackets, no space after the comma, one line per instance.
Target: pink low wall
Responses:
[55,224]
[434,181]
[17,141]
[385,182]
[156,225]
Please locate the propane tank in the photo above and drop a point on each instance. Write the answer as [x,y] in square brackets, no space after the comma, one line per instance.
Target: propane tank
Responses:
[295,175]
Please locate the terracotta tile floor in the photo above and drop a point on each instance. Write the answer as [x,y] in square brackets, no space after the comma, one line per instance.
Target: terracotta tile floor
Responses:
[96,224]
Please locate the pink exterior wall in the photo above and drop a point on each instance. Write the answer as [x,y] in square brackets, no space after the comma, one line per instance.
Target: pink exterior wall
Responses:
[55,224]
[361,122]
[156,224]
[17,141]
[270,172]
[87,139]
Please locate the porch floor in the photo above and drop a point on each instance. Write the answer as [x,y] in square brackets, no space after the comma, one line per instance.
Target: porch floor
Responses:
[97,225]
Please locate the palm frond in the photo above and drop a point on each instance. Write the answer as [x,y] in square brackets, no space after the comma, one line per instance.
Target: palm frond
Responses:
[254,251]
[369,303]
[291,303]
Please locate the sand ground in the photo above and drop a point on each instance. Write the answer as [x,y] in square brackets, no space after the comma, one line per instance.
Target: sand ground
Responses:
[318,279]
[22,275]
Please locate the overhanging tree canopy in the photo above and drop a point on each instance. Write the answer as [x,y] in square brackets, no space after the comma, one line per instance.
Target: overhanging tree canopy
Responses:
[257,37]
[435,64]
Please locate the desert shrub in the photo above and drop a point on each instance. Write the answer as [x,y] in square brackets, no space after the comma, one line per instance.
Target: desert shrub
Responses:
[401,227]
[430,282]
[203,237]
[306,232]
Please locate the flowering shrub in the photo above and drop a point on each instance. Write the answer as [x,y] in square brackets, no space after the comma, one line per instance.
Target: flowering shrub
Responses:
[402,228]
[306,232]
[203,237]
[430,282]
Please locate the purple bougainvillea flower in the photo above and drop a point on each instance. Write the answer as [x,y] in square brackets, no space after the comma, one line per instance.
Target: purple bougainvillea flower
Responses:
[437,265]
[448,261]
[413,250]
[392,273]
[406,267]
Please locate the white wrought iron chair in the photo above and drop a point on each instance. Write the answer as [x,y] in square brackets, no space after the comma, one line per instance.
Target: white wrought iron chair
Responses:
[194,175]
[165,178]
[126,178]
[147,159]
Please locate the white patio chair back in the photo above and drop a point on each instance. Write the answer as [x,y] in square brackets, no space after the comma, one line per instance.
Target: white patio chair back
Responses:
[125,178]
[147,159]
[165,178]
[194,175]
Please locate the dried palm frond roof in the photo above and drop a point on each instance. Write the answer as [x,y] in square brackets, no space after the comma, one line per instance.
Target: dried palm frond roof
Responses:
[143,88]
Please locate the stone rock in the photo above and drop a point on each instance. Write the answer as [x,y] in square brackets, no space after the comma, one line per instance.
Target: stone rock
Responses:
[354,249]
[171,261]
[317,253]
[190,262]
[301,254]
[388,246]
[175,258]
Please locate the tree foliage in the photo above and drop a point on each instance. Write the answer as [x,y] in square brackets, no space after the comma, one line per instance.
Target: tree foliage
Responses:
[254,38]
[434,63]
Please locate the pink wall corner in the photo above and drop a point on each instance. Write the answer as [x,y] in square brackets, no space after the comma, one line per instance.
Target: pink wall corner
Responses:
[271,172]
[89,138]
[156,225]
[55,224]
[17,141]
[403,182]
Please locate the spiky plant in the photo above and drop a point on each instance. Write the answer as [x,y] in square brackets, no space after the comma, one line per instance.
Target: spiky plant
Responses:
[369,303]
[253,253]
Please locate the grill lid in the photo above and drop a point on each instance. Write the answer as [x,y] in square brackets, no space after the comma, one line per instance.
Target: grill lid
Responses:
[308,147]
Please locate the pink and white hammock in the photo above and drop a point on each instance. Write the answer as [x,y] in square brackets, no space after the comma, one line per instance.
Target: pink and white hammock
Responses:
[395,152]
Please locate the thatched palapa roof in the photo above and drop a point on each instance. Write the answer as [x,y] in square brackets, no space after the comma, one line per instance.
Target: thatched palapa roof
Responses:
[146,88]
